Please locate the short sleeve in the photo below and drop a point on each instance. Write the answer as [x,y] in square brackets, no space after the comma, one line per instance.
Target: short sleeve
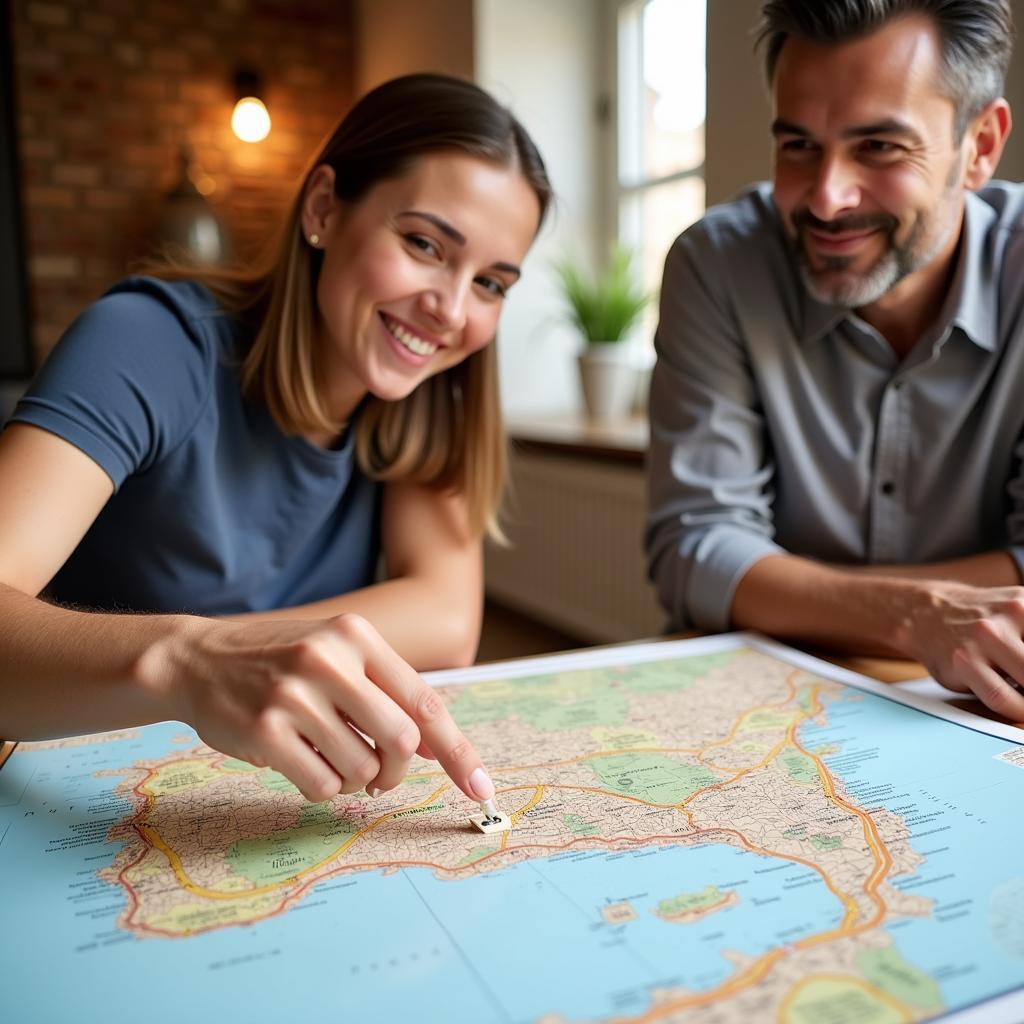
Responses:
[125,384]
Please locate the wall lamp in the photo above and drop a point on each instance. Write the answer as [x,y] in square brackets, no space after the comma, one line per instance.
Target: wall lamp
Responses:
[249,120]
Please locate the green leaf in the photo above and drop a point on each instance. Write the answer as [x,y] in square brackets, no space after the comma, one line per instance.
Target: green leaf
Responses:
[603,306]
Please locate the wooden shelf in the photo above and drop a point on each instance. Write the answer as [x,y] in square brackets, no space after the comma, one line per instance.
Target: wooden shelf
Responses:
[575,434]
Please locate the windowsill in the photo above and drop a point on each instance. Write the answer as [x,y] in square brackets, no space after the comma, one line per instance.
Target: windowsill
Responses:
[574,434]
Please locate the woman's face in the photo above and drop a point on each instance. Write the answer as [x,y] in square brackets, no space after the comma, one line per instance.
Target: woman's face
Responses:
[414,274]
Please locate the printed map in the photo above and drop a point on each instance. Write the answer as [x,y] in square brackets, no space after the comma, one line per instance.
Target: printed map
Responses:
[712,830]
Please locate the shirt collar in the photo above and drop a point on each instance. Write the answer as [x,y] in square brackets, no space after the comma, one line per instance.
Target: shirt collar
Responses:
[971,304]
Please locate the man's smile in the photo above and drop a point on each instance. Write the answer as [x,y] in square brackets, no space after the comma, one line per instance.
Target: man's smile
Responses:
[838,243]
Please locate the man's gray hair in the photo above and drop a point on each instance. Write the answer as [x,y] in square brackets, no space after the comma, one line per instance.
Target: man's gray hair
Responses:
[977,39]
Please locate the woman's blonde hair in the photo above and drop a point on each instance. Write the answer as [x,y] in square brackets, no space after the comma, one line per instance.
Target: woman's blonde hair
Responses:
[448,432]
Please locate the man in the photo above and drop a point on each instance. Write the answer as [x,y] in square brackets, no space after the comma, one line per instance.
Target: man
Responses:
[838,405]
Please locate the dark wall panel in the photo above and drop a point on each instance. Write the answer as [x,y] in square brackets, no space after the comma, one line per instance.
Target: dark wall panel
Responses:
[15,359]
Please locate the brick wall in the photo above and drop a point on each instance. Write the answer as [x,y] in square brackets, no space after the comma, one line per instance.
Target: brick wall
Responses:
[106,91]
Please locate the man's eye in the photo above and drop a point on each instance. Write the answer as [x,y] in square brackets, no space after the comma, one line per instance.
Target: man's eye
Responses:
[880,146]
[797,149]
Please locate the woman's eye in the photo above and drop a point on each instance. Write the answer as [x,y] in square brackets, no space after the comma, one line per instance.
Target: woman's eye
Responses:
[493,285]
[425,245]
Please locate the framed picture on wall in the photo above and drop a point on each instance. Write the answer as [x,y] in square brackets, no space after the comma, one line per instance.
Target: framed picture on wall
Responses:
[15,346]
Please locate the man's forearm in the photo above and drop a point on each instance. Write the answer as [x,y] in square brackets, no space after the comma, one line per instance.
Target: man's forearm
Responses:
[861,609]
[991,569]
[798,599]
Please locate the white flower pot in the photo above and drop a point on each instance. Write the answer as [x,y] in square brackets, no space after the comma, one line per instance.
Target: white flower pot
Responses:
[608,375]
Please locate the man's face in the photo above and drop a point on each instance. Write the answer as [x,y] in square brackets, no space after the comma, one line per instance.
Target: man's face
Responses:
[868,176]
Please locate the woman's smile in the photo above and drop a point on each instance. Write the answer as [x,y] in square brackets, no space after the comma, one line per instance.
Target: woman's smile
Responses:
[411,343]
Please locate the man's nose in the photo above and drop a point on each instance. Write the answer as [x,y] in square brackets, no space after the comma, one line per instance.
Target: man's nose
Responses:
[835,189]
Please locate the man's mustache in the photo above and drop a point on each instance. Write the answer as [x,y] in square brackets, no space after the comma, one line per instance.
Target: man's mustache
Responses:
[803,218]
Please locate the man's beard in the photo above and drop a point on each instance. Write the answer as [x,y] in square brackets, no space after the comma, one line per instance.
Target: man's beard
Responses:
[832,282]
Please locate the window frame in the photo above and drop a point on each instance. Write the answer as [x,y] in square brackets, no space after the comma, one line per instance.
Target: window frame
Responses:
[625,84]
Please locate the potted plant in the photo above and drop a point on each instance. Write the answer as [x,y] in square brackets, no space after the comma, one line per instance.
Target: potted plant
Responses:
[604,308]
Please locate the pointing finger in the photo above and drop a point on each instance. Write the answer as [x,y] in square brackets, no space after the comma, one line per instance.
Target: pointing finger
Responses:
[424,705]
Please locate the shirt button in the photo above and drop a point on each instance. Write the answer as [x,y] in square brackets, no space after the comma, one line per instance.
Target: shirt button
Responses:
[897,385]
[888,487]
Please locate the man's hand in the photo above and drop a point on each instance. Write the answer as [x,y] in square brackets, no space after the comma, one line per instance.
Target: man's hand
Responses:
[328,704]
[971,639]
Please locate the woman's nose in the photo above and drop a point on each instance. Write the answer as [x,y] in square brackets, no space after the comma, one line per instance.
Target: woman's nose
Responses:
[446,303]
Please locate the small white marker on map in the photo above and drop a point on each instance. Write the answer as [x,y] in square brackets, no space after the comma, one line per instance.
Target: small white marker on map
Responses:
[490,819]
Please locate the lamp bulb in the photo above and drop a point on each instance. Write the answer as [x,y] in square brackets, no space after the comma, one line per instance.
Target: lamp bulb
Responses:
[250,120]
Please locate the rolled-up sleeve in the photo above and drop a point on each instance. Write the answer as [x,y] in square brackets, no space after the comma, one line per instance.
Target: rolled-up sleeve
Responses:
[710,463]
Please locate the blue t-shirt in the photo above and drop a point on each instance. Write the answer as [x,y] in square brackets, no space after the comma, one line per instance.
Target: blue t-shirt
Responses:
[215,510]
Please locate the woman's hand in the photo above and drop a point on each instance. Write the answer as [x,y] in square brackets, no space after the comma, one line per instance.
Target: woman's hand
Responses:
[328,704]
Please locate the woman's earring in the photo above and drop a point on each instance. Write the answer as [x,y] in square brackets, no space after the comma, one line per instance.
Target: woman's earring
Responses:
[314,240]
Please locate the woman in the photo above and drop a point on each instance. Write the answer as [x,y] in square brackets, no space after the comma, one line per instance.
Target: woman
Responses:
[246,444]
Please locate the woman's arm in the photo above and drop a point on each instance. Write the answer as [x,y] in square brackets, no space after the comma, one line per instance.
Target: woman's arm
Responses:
[430,608]
[299,696]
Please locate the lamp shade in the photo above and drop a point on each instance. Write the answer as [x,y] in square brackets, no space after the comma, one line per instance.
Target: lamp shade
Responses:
[188,224]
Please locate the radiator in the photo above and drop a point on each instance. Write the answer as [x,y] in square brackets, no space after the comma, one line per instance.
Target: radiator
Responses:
[575,560]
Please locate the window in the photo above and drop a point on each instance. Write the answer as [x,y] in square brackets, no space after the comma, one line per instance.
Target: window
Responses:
[662,84]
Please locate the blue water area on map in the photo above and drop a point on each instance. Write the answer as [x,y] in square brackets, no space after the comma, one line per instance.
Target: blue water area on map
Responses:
[965,811]
[517,943]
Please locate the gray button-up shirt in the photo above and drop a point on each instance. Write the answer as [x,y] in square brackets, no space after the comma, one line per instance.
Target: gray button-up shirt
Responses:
[782,424]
